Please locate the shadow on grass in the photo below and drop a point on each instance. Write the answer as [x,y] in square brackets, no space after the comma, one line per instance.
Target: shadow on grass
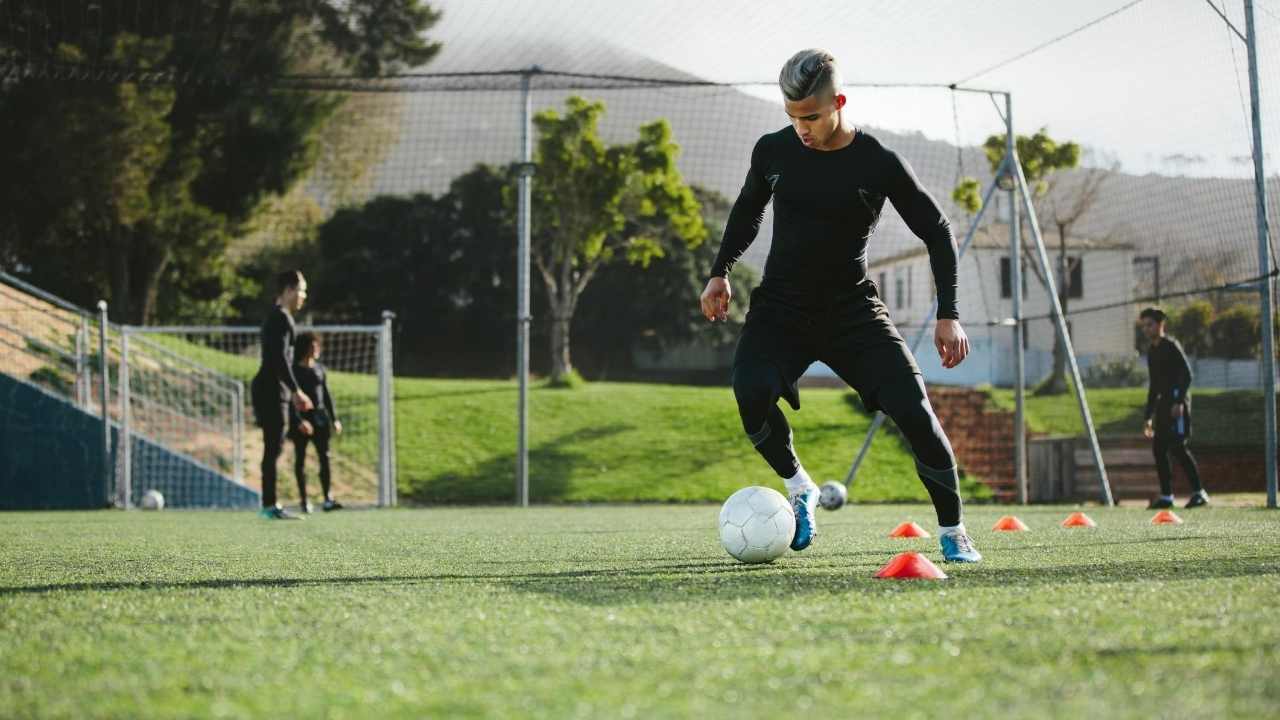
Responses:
[551,464]
[659,582]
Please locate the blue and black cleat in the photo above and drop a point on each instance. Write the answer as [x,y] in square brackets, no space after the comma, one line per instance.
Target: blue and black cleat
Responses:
[805,505]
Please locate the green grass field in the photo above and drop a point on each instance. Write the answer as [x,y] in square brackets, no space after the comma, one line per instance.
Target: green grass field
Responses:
[631,612]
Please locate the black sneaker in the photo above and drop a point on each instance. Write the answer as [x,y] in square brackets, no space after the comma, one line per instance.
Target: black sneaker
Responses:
[331,505]
[278,513]
[1199,499]
[1160,504]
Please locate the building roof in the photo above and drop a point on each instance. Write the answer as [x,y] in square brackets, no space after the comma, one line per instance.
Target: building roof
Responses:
[996,237]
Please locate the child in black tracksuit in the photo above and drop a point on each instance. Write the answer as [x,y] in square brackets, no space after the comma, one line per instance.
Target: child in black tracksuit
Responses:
[317,425]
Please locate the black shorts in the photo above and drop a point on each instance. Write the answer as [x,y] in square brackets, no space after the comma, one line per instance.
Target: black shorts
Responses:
[855,338]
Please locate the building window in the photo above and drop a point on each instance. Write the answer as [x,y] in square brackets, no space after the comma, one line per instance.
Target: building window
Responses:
[1077,277]
[883,285]
[908,286]
[897,290]
[1006,280]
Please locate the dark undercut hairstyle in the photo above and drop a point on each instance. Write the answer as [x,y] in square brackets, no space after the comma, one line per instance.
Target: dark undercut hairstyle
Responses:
[810,72]
[1154,313]
[303,344]
[288,279]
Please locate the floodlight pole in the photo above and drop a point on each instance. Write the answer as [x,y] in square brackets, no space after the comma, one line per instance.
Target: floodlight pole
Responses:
[523,317]
[1015,293]
[1266,286]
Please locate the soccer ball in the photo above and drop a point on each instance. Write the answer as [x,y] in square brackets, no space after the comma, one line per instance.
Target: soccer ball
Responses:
[833,495]
[756,524]
[152,500]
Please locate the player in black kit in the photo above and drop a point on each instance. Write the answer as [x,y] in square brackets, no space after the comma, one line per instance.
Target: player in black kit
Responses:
[275,387]
[829,182]
[316,426]
[1168,410]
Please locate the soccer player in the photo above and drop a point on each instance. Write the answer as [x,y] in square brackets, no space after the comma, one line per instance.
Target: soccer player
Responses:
[316,425]
[1169,410]
[275,387]
[829,182]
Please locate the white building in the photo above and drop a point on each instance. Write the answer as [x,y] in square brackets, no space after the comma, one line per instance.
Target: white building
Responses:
[1103,277]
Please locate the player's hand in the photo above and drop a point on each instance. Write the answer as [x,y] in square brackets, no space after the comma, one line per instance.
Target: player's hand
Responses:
[337,427]
[952,343]
[1148,431]
[306,428]
[302,402]
[1176,410]
[715,299]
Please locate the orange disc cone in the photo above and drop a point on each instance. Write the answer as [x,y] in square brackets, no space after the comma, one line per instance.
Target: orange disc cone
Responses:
[1166,517]
[1009,523]
[911,566]
[1078,519]
[908,530]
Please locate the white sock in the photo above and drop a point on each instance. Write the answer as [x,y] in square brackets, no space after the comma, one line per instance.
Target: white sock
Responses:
[954,529]
[1167,497]
[799,482]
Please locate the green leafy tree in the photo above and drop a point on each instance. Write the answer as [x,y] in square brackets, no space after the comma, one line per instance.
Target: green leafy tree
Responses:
[134,189]
[1190,326]
[594,204]
[1236,333]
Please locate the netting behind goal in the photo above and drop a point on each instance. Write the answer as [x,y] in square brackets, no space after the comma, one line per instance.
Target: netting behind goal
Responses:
[358,362]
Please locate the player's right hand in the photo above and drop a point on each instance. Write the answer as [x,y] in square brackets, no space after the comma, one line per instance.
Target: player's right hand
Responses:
[302,402]
[306,428]
[1147,430]
[715,299]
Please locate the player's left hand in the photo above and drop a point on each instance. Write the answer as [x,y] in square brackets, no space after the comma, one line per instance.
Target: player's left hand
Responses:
[306,428]
[337,427]
[952,343]
[1177,410]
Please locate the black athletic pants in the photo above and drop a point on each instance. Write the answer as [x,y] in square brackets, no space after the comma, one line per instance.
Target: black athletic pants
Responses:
[300,441]
[273,416]
[857,340]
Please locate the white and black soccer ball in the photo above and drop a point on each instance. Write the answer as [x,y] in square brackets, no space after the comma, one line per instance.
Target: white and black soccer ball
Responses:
[152,500]
[756,524]
[833,495]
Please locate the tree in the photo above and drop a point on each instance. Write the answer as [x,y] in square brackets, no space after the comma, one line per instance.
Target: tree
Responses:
[131,188]
[594,204]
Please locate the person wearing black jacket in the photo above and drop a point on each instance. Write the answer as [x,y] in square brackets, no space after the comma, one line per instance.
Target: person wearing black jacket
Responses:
[1168,412]
[274,387]
[317,425]
[829,182]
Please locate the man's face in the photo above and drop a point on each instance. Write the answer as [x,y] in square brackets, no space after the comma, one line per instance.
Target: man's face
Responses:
[295,298]
[815,120]
[1152,328]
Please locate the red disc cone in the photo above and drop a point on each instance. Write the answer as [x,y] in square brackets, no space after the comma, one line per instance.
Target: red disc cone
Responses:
[911,566]
[1166,517]
[1078,519]
[1009,523]
[908,530]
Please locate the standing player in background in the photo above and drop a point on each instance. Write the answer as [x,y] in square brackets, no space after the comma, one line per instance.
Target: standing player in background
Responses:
[316,425]
[275,387]
[1169,410]
[829,182]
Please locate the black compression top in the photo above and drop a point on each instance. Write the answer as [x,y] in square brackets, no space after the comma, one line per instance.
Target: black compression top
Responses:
[1170,375]
[826,205]
[277,355]
[313,380]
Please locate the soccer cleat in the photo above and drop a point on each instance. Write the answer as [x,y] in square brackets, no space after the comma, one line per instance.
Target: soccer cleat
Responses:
[278,513]
[805,505]
[1160,504]
[1199,499]
[957,547]
[331,505]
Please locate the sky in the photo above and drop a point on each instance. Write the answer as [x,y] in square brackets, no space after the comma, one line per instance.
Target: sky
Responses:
[1160,87]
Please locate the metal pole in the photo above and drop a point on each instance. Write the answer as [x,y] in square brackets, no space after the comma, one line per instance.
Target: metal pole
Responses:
[386,480]
[1015,293]
[104,388]
[879,419]
[1061,321]
[82,368]
[1266,288]
[124,496]
[237,430]
[523,318]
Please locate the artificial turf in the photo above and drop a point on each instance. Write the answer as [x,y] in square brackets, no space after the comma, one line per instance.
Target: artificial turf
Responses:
[631,611]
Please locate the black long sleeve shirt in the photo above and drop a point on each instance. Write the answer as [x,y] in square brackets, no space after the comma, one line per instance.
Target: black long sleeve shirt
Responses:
[826,205]
[314,382]
[1170,375]
[277,354]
